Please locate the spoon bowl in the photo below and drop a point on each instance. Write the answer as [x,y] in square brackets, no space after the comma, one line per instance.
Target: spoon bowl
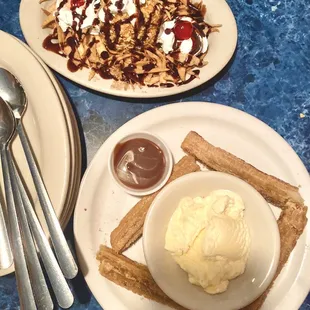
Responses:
[7,123]
[13,93]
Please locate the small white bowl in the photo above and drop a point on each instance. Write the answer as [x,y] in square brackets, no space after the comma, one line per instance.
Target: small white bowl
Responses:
[168,169]
[264,250]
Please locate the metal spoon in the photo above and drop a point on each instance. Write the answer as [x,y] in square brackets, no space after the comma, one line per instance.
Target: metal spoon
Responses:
[60,287]
[6,258]
[7,129]
[39,287]
[13,93]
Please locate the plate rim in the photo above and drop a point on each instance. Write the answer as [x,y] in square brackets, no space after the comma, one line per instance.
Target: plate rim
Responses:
[71,122]
[301,293]
[165,92]
[76,147]
[10,40]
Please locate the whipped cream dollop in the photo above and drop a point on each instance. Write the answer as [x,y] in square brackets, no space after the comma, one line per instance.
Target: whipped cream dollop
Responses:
[83,16]
[167,37]
[196,44]
[64,15]
[209,239]
[125,6]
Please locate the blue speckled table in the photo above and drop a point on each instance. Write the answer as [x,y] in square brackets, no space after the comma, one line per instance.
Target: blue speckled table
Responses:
[269,77]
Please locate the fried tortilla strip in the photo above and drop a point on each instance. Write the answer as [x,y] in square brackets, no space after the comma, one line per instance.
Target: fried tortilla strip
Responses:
[51,7]
[291,222]
[91,75]
[274,190]
[132,276]
[48,20]
[182,73]
[45,12]
[155,70]
[130,228]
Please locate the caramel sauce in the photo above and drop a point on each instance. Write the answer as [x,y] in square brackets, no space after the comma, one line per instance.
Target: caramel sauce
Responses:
[62,4]
[148,67]
[104,73]
[119,4]
[104,55]
[197,45]
[72,67]
[53,47]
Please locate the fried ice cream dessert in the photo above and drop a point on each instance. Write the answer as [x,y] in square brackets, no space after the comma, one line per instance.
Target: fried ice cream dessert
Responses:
[154,43]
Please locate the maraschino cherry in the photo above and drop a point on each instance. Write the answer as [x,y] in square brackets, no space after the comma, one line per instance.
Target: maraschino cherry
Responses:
[77,3]
[183,30]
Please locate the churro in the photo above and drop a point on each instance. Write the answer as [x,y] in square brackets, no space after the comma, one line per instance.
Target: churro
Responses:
[291,223]
[132,276]
[273,189]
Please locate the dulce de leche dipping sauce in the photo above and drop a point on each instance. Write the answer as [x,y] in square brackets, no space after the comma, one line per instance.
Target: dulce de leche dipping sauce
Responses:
[139,163]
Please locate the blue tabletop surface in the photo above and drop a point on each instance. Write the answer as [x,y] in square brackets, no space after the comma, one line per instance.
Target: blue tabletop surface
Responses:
[268,78]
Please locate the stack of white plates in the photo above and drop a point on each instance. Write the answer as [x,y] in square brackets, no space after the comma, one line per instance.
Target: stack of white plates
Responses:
[51,127]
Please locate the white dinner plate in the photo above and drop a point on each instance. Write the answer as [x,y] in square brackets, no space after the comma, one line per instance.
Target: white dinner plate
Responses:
[102,204]
[221,48]
[45,125]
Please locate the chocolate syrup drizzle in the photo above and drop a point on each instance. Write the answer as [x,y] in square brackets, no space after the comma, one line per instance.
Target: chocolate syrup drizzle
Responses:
[141,37]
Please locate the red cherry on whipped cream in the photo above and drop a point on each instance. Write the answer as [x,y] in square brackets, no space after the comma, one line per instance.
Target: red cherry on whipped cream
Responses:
[183,30]
[77,3]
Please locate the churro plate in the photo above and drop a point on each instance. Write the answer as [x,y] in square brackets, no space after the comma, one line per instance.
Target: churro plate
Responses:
[116,55]
[102,204]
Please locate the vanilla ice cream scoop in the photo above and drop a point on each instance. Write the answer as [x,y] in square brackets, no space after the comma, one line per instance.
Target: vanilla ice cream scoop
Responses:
[209,239]
[225,237]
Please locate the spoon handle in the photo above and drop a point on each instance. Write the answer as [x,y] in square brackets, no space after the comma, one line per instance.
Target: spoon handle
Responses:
[60,287]
[41,294]
[26,297]
[6,257]
[63,253]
